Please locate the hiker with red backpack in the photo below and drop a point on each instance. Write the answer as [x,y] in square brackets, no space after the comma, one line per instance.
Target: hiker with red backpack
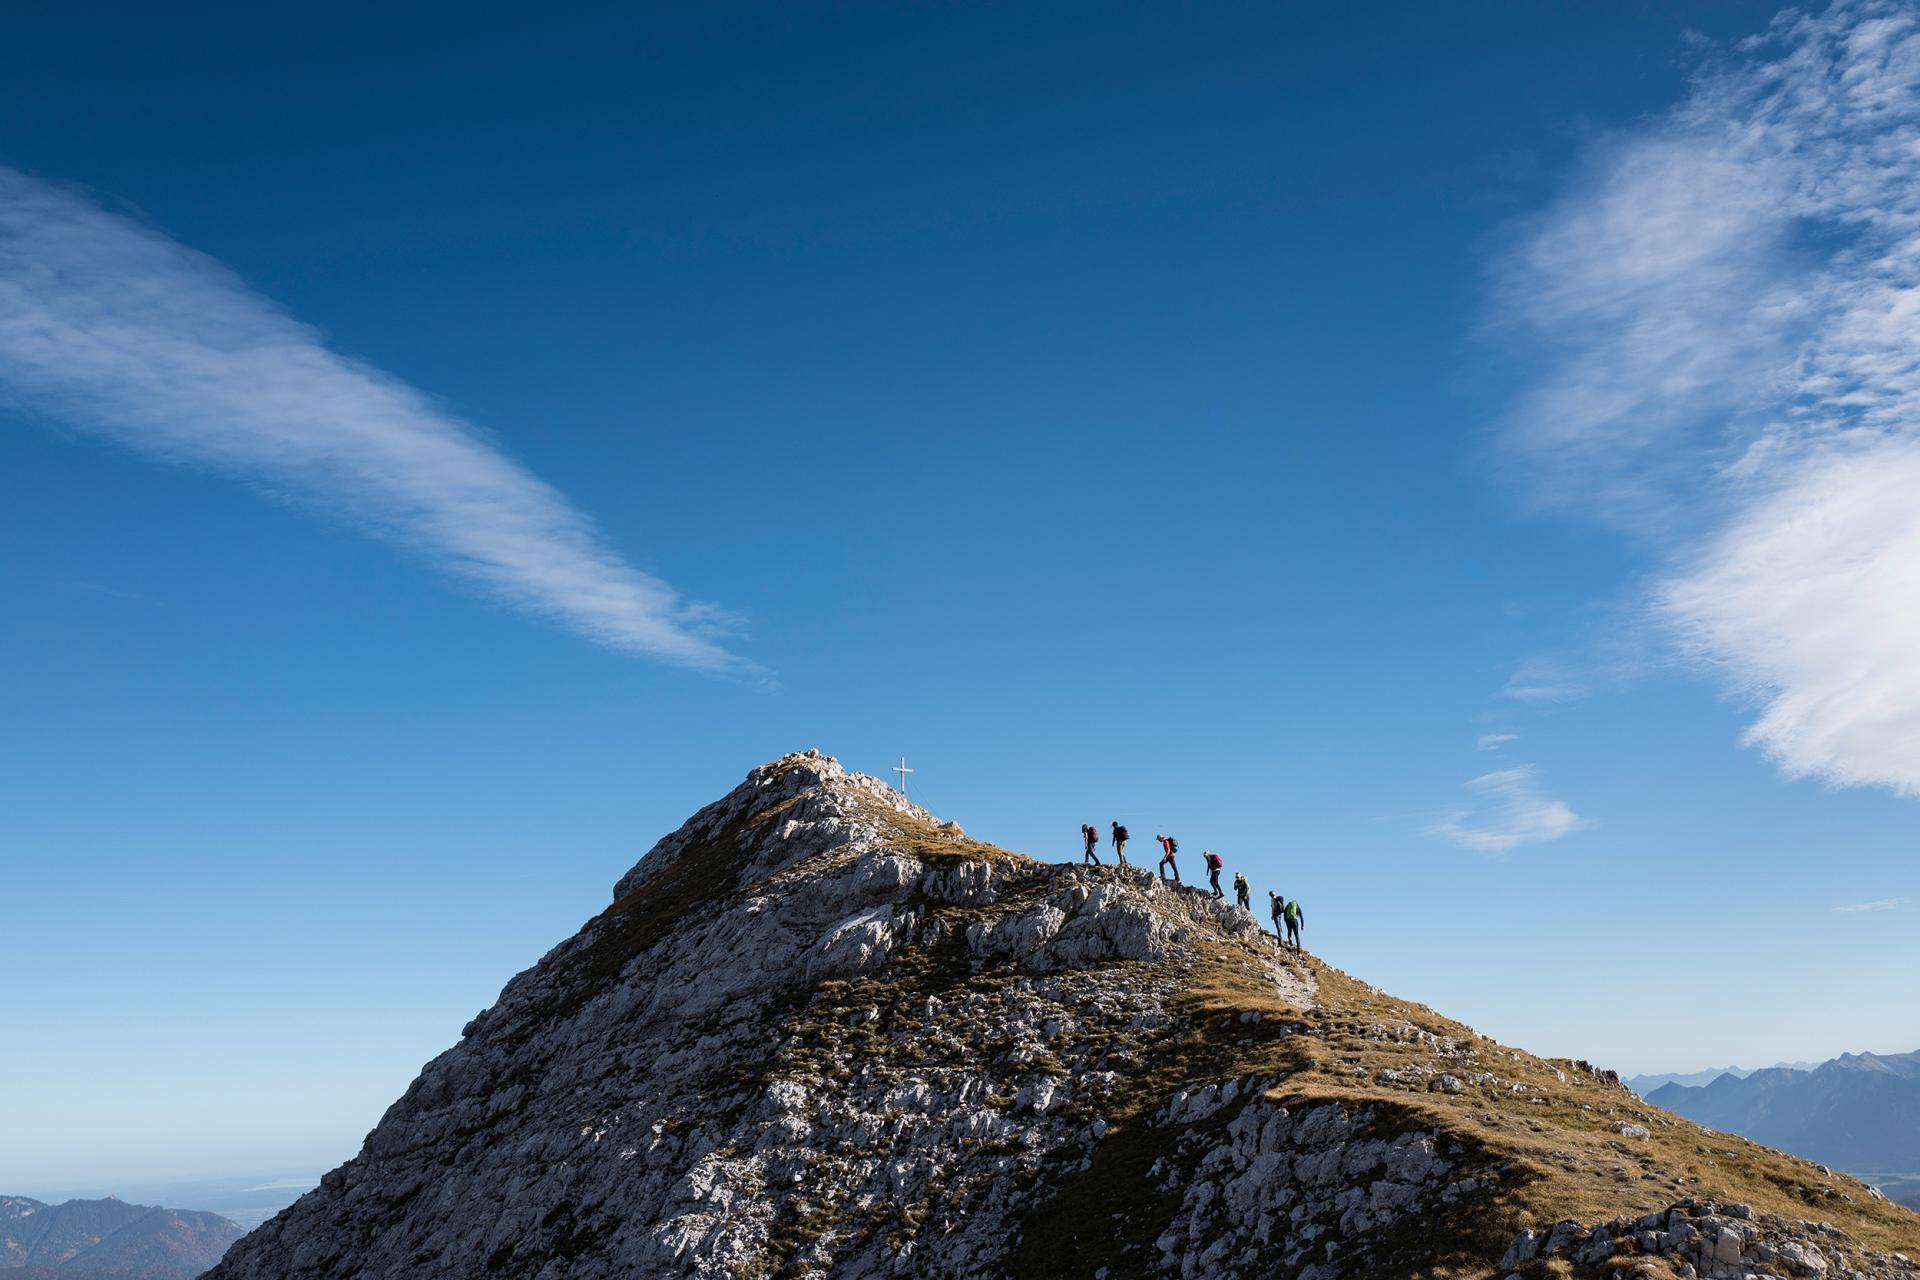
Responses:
[1168,847]
[1090,838]
[1214,864]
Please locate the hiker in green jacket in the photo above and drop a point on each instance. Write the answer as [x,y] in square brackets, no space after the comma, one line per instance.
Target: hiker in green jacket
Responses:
[1242,890]
[1294,917]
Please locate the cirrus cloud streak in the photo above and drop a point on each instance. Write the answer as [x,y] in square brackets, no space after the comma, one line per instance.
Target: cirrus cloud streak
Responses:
[111,328]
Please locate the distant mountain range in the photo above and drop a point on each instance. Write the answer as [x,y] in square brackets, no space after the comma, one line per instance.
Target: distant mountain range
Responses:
[1644,1085]
[108,1240]
[248,1200]
[1859,1112]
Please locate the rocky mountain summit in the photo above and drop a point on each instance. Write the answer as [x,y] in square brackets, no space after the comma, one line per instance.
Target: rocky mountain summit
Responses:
[820,1032]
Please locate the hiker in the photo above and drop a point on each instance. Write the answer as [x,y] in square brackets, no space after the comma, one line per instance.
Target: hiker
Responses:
[1214,864]
[1090,837]
[1277,905]
[1295,917]
[1120,844]
[1168,847]
[1242,890]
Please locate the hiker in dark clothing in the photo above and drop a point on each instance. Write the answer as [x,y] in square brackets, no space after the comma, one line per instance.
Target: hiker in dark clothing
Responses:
[1214,864]
[1242,890]
[1090,837]
[1168,847]
[1278,905]
[1294,917]
[1120,844]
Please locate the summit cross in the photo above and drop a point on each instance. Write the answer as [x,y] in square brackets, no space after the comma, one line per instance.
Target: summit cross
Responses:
[903,771]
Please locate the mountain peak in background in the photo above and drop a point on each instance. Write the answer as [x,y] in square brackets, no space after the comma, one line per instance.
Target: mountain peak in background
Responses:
[1859,1112]
[819,1031]
[109,1239]
[1904,1065]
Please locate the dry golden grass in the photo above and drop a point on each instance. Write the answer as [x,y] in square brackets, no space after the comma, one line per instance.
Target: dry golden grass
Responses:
[1551,1148]
[1559,1135]
[910,833]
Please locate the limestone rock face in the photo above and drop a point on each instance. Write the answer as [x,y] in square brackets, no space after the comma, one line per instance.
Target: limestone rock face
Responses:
[820,1032]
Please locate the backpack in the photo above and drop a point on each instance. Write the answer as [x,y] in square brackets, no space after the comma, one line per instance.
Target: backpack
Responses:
[1213,860]
[1173,846]
[1119,833]
[1292,912]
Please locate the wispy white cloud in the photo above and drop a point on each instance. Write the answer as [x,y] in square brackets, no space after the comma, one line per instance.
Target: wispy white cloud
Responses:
[1883,904]
[111,328]
[1509,808]
[1494,741]
[1543,680]
[1727,303]
[104,591]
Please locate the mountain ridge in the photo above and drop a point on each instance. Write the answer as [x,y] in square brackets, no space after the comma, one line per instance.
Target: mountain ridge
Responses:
[110,1239]
[819,1031]
[1645,1084]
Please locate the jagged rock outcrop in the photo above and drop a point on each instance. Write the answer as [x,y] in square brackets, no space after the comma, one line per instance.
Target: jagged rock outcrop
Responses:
[1717,1242]
[821,1033]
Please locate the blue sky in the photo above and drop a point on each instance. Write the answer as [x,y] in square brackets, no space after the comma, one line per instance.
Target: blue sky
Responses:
[1451,462]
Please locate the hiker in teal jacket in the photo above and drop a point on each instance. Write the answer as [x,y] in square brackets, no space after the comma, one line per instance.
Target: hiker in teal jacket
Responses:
[1294,917]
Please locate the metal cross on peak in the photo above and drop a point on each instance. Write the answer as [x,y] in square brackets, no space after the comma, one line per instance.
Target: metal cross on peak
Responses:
[903,771]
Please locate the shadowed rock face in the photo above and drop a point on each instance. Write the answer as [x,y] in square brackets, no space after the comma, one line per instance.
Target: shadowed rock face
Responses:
[820,1033]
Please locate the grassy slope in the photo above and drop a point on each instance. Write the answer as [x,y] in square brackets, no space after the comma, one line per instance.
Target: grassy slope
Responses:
[1553,1150]
[1566,1158]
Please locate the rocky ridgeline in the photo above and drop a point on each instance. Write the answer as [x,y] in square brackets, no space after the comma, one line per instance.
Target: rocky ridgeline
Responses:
[819,1032]
[1714,1242]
